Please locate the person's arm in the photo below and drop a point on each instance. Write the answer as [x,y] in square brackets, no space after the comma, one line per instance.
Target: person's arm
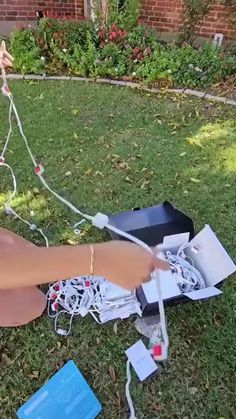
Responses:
[123,263]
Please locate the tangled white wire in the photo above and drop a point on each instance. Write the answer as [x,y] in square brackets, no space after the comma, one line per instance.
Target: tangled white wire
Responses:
[93,295]
[186,275]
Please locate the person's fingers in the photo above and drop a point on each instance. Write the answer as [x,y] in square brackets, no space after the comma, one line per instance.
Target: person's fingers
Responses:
[8,56]
[3,46]
[6,62]
[160,264]
[146,279]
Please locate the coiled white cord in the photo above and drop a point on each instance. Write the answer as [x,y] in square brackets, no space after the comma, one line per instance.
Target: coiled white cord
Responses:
[187,277]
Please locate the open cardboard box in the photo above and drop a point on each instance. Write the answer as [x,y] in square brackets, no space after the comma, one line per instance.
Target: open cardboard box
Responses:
[167,227]
[151,224]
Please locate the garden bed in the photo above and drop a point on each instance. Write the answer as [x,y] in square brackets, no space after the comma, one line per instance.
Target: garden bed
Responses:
[119,53]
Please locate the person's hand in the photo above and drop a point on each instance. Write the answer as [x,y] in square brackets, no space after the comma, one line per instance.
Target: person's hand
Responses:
[5,58]
[126,264]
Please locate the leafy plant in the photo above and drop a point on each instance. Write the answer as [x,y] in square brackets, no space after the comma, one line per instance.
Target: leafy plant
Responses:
[112,62]
[131,10]
[187,66]
[125,13]
[86,50]
[26,52]
[195,11]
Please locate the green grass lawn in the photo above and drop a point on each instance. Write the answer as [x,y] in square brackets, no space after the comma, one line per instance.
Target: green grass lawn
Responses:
[112,149]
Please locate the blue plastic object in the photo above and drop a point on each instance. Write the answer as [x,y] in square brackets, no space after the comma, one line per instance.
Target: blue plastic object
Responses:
[66,395]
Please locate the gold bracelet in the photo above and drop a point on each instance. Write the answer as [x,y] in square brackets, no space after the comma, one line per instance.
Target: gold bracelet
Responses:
[92,260]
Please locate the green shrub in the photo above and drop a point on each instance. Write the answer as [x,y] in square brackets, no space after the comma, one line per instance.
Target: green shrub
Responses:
[27,56]
[65,33]
[187,66]
[112,62]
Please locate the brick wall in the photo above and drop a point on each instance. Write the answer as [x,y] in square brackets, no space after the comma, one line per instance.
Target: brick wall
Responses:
[20,10]
[167,16]
[164,15]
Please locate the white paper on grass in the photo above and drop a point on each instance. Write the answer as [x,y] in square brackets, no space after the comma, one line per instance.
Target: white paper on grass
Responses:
[203,293]
[212,260]
[141,360]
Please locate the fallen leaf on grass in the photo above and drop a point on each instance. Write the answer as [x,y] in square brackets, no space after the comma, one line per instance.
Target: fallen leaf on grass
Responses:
[183,154]
[71,242]
[97,173]
[75,111]
[88,172]
[127,179]
[112,374]
[145,183]
[195,141]
[5,359]
[192,390]
[194,180]
[34,375]
[117,400]
[123,165]
[68,173]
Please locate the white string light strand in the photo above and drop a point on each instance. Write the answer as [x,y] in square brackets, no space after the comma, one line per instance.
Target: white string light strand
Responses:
[99,220]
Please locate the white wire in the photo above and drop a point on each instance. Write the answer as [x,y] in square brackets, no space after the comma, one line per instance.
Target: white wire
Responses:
[90,218]
[63,200]
[154,276]
[13,212]
[9,132]
[127,391]
[45,184]
[13,179]
[187,276]
[21,130]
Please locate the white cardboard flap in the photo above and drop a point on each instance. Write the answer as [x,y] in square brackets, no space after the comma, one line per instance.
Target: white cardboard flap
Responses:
[175,241]
[169,288]
[203,293]
[210,257]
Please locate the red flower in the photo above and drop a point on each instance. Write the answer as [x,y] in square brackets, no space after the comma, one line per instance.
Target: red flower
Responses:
[113,35]
[136,50]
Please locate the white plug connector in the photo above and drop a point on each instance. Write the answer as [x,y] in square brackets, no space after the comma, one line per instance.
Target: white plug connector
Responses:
[100,220]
